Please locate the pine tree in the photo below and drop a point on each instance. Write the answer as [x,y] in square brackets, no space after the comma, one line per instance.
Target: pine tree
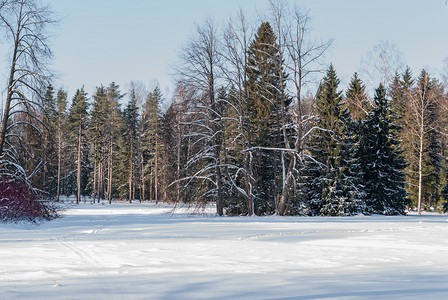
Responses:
[382,160]
[112,135]
[152,142]
[332,188]
[61,113]
[98,132]
[130,147]
[266,103]
[77,123]
[169,136]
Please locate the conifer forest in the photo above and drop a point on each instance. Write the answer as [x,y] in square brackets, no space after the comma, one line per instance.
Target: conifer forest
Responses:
[258,124]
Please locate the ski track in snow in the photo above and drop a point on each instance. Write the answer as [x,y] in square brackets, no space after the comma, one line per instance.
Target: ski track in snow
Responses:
[144,251]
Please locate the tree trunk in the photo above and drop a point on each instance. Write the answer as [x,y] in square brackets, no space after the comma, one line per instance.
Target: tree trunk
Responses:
[111,154]
[100,180]
[44,160]
[179,139]
[78,176]
[142,179]
[156,174]
[284,200]
[109,196]
[95,176]
[420,171]
[130,174]
[59,167]
[9,94]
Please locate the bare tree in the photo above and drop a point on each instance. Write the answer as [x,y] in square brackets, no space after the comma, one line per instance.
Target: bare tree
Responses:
[25,24]
[237,37]
[302,57]
[380,64]
[198,70]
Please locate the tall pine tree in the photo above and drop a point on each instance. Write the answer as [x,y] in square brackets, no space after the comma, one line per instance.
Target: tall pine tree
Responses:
[77,124]
[152,143]
[61,140]
[130,146]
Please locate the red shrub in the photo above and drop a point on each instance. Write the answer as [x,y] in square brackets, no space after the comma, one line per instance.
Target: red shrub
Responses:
[18,202]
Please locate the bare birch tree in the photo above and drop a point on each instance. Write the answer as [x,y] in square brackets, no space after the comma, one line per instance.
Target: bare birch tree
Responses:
[380,64]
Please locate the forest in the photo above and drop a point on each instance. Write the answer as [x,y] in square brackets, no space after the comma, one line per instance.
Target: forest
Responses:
[258,125]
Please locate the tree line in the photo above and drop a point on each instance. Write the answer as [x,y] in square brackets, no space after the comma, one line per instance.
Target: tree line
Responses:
[242,131]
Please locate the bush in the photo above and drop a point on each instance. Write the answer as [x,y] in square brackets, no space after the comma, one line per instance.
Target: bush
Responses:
[19,203]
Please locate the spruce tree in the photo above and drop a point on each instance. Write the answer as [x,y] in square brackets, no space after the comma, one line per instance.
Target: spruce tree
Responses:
[382,160]
[332,187]
[266,102]
[356,99]
[400,91]
[49,145]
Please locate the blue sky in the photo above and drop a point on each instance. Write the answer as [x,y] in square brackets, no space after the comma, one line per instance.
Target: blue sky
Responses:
[100,41]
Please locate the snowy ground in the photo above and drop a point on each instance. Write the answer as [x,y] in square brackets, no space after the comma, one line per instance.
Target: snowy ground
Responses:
[142,251]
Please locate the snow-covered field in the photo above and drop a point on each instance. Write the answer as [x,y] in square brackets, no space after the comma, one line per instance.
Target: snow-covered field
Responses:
[143,251]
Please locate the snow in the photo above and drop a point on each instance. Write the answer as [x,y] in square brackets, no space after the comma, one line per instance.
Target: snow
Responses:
[144,251]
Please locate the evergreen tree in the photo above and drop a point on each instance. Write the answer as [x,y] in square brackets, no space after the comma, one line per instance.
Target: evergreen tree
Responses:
[444,192]
[152,143]
[130,146]
[332,187]
[49,157]
[112,135]
[400,91]
[98,133]
[357,100]
[169,136]
[61,113]
[266,102]
[77,123]
[382,160]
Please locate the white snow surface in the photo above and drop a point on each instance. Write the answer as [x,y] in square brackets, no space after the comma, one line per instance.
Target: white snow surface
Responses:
[144,251]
